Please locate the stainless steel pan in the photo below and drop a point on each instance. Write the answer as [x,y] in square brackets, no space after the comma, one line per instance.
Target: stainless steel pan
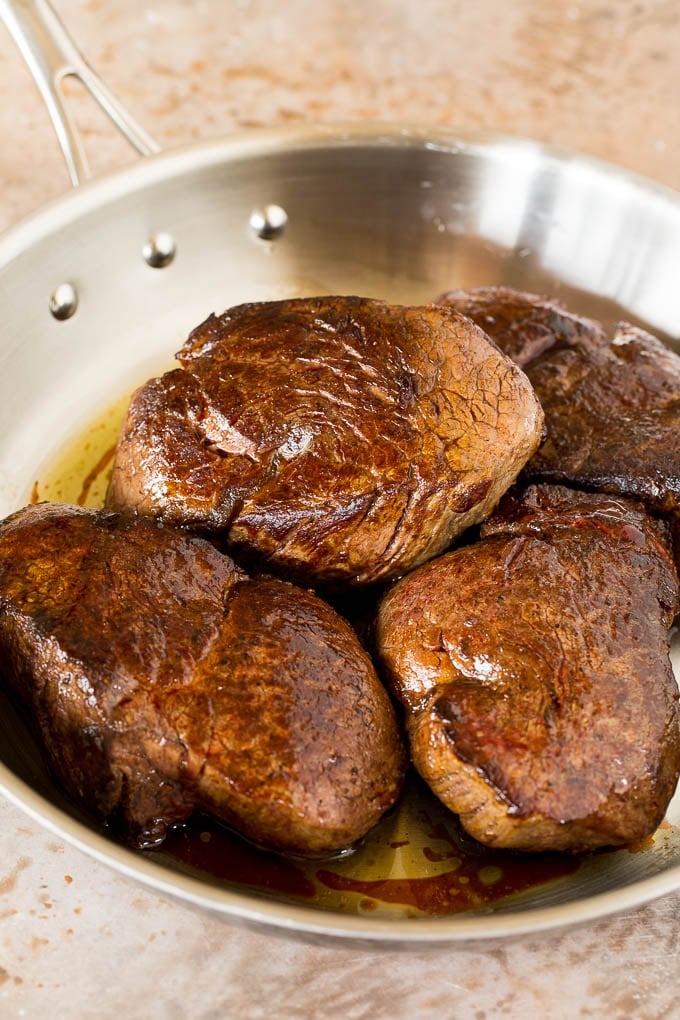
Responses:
[101,287]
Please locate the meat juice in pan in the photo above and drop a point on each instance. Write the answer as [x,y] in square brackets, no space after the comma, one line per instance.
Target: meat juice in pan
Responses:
[415,862]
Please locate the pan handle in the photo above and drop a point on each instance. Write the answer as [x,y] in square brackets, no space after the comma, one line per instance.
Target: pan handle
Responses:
[52,56]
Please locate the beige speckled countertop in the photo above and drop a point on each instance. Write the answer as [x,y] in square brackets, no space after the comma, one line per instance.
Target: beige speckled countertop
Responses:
[599,76]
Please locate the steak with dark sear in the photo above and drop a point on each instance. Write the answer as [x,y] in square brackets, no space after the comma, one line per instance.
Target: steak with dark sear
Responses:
[534,669]
[339,440]
[524,325]
[163,680]
[612,407]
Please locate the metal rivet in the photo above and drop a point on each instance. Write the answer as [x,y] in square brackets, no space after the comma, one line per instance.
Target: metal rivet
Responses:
[159,250]
[63,301]
[269,222]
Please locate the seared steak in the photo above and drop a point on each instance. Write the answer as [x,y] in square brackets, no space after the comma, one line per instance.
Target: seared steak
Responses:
[339,440]
[534,669]
[612,407]
[163,680]
[523,325]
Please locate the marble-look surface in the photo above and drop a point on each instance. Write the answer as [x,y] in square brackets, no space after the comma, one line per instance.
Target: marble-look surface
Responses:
[599,76]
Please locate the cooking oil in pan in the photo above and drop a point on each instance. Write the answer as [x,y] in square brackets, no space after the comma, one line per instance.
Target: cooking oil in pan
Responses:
[416,862]
[80,472]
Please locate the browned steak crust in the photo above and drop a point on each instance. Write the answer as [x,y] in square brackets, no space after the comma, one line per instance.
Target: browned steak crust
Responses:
[534,668]
[163,680]
[523,325]
[612,407]
[338,439]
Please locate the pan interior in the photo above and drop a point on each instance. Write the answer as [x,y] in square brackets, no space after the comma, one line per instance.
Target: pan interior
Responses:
[399,217]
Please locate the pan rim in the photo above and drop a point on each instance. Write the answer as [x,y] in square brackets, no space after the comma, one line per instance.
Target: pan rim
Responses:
[232,904]
[337,927]
[174,161]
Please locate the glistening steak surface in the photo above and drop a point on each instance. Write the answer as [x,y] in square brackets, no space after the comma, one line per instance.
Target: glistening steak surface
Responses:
[612,407]
[164,680]
[534,669]
[339,440]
